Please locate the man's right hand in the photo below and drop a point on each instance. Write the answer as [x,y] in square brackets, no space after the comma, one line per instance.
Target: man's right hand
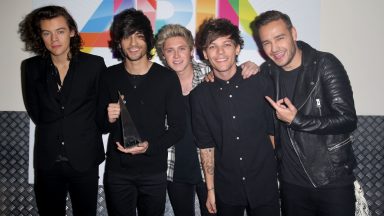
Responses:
[211,202]
[113,112]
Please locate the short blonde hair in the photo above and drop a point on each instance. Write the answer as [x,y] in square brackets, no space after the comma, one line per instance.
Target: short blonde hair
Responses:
[168,31]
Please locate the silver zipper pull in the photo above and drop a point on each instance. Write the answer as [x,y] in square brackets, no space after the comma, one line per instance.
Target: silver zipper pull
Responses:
[318,102]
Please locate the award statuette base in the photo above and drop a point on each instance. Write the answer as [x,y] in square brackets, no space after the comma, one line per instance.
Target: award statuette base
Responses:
[130,141]
[129,132]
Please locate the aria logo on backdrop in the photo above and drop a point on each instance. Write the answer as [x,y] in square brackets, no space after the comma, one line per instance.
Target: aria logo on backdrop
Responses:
[95,32]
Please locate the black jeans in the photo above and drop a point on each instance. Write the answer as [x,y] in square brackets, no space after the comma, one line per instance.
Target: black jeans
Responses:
[302,201]
[52,186]
[268,209]
[124,193]
[182,198]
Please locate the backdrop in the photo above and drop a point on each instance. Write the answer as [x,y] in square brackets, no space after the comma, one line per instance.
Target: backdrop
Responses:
[94,18]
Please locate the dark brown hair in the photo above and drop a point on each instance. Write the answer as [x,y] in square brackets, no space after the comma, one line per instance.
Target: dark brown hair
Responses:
[267,17]
[30,31]
[125,24]
[213,28]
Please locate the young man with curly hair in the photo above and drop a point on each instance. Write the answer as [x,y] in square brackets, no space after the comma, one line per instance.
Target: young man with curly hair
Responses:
[61,91]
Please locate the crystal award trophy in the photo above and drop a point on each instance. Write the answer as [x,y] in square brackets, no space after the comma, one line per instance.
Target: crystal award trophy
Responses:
[129,132]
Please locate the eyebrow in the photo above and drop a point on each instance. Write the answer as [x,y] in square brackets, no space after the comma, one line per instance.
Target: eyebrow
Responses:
[61,28]
[277,36]
[225,41]
[282,34]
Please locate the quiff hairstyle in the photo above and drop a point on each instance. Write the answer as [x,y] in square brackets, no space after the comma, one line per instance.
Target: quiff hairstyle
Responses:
[168,31]
[267,17]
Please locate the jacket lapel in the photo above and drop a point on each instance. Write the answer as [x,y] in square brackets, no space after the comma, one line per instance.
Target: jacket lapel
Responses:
[305,84]
[307,79]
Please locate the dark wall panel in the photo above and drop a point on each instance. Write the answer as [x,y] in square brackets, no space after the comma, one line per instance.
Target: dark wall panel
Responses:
[17,197]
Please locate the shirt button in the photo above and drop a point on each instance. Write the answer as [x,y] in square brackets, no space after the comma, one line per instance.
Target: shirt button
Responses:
[227,82]
[62,143]
[243,178]
[62,107]
[237,138]
[221,88]
[241,158]
[233,117]
[230,96]
[237,86]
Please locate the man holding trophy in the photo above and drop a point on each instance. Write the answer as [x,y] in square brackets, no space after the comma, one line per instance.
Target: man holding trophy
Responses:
[140,96]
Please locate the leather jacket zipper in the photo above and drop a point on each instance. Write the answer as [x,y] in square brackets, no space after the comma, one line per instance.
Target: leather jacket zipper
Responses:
[341,144]
[301,162]
[294,147]
[313,89]
[318,105]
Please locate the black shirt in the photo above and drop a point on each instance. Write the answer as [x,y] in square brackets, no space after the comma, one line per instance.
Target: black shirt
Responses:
[187,166]
[234,118]
[60,93]
[157,95]
[291,169]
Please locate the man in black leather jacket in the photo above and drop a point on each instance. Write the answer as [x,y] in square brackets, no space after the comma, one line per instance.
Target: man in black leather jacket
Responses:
[315,118]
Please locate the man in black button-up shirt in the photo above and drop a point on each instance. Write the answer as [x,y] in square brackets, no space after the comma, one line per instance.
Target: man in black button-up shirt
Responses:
[233,125]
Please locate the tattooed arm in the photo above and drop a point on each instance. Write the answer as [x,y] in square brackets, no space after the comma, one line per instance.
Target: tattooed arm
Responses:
[208,163]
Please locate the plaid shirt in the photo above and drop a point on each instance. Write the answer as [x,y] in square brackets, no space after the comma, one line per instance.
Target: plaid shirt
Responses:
[199,72]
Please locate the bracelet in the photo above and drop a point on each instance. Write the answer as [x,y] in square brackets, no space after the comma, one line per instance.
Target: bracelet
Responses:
[211,189]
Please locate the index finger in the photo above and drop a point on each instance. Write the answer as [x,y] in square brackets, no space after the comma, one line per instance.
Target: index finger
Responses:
[272,102]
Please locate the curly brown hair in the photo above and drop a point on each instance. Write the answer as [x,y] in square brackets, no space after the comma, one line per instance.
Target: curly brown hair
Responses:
[30,31]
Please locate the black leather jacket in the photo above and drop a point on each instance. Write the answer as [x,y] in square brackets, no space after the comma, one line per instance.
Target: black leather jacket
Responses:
[321,130]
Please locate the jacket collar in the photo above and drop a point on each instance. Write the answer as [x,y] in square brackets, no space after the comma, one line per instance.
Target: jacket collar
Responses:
[306,80]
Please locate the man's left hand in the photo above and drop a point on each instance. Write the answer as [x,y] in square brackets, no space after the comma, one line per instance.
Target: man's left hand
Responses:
[249,69]
[140,148]
[209,77]
[285,110]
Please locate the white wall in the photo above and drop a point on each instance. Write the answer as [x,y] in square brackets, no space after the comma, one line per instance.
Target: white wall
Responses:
[11,54]
[350,29]
[353,30]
